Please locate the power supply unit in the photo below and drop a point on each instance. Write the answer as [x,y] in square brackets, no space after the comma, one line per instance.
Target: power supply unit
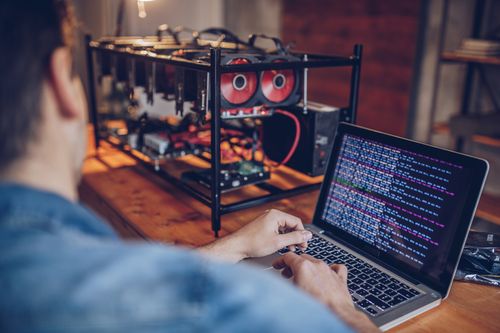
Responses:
[317,131]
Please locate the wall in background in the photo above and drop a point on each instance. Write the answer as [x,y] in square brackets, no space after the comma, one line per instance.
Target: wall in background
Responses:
[95,17]
[194,14]
[245,17]
[99,16]
[387,29]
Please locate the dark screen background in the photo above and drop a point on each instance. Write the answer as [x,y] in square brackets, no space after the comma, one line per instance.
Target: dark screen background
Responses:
[400,202]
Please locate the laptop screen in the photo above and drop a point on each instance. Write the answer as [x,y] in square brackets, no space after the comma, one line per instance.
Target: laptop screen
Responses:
[406,203]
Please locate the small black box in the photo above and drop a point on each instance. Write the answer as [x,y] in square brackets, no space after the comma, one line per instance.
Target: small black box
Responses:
[317,131]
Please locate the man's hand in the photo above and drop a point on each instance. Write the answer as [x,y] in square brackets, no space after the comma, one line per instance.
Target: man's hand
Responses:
[272,231]
[327,284]
[265,235]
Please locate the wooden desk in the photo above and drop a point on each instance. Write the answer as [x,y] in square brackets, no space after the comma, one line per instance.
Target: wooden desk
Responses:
[140,205]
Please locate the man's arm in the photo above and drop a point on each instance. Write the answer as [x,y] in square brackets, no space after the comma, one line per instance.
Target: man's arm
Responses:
[265,235]
[327,284]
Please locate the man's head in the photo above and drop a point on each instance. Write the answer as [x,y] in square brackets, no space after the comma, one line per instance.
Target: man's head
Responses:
[42,105]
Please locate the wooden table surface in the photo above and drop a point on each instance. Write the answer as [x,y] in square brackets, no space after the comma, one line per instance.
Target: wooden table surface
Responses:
[138,204]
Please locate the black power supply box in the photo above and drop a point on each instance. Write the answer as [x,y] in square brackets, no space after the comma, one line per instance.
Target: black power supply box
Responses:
[317,131]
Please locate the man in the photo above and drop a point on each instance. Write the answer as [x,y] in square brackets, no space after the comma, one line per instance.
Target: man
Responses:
[63,270]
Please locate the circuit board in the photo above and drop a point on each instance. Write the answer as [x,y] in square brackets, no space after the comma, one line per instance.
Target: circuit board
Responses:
[233,175]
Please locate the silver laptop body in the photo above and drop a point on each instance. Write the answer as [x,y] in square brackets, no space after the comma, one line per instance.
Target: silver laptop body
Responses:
[396,213]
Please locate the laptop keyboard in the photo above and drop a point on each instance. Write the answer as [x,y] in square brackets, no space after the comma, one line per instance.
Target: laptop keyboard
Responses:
[371,290]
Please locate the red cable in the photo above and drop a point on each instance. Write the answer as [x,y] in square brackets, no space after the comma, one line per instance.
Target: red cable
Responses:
[296,139]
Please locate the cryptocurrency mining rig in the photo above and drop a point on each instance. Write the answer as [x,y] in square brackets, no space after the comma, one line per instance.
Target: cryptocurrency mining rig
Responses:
[212,97]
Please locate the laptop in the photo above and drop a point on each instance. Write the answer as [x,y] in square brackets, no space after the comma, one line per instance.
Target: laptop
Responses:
[396,212]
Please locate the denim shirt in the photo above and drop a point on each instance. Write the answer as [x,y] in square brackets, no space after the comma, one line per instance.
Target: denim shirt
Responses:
[64,270]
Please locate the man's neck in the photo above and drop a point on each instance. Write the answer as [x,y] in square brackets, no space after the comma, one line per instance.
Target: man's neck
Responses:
[41,175]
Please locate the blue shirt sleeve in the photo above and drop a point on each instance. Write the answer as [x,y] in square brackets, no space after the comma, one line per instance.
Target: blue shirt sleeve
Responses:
[66,282]
[252,300]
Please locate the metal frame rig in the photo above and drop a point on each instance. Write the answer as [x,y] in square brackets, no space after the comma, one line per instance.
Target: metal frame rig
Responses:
[214,68]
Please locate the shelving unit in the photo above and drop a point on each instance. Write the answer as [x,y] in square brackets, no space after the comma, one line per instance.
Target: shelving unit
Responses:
[458,57]
[473,63]
[443,128]
[489,207]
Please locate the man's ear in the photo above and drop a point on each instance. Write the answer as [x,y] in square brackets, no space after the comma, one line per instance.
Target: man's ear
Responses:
[62,83]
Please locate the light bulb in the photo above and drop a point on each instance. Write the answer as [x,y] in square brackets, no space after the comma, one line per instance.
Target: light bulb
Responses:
[142,8]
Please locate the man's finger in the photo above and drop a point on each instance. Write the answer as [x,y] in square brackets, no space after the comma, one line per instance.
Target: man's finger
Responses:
[287,221]
[310,258]
[341,271]
[289,259]
[287,273]
[293,238]
[279,263]
[303,246]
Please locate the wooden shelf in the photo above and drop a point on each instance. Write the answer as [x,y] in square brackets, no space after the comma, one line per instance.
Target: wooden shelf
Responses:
[454,56]
[443,128]
[487,140]
[489,208]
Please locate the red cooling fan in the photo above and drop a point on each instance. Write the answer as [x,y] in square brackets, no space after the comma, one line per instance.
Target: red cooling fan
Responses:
[238,88]
[278,85]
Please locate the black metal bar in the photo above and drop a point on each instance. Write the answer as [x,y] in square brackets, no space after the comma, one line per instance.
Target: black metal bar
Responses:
[269,187]
[215,74]
[201,197]
[317,56]
[469,74]
[355,77]
[91,91]
[437,73]
[491,91]
[315,60]
[341,62]
[244,204]
[150,56]
[417,68]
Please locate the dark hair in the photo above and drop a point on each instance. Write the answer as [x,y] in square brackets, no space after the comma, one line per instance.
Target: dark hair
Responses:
[30,30]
